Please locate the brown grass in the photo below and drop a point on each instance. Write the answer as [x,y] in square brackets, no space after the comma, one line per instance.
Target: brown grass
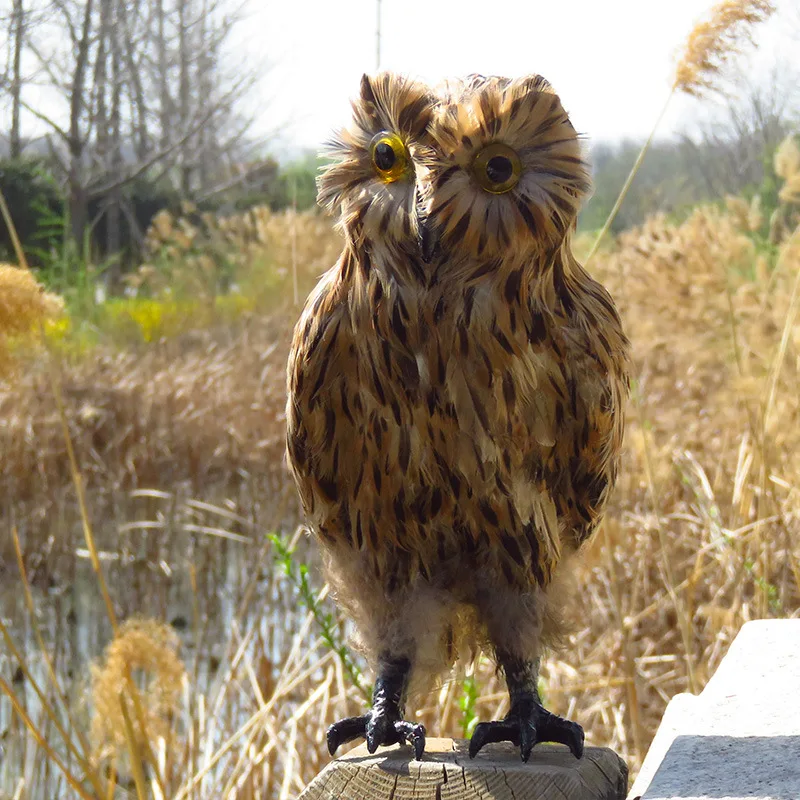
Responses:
[702,532]
[256,251]
[193,412]
[787,166]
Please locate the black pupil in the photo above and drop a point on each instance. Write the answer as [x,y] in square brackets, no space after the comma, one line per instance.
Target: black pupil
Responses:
[384,156]
[499,169]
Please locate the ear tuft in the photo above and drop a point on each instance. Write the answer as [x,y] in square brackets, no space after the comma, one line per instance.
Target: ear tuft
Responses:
[536,83]
[367,93]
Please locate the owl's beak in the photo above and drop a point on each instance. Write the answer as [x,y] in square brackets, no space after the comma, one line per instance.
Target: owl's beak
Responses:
[428,239]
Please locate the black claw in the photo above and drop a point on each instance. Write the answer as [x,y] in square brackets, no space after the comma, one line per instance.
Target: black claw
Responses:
[383,723]
[527,738]
[412,733]
[525,726]
[345,731]
[489,733]
[478,739]
[333,740]
[378,729]
[565,732]
[419,746]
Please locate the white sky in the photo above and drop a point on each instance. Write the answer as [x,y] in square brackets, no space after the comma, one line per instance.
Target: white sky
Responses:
[610,60]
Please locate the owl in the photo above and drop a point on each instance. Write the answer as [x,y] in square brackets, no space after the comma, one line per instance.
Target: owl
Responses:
[456,390]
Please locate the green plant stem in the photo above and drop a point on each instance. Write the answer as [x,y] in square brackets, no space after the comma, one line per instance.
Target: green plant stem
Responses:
[298,577]
[466,703]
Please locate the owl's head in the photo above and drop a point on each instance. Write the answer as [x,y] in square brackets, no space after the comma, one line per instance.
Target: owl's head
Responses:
[371,183]
[507,171]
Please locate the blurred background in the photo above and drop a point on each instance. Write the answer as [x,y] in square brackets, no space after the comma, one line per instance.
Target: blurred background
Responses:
[166,631]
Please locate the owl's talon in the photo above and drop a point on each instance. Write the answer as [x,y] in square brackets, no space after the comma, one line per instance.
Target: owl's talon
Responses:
[527,739]
[489,733]
[414,734]
[563,731]
[346,730]
[378,730]
[527,724]
[377,727]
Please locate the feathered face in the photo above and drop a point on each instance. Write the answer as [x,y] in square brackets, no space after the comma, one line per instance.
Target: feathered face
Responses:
[506,172]
[371,186]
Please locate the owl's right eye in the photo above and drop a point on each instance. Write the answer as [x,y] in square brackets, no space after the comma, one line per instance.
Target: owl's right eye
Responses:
[497,168]
[389,157]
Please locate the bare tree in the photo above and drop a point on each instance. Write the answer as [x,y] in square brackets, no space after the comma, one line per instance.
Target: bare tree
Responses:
[11,75]
[137,87]
[15,83]
[729,149]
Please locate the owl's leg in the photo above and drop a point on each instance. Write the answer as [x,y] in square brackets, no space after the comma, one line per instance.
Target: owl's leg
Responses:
[383,724]
[528,722]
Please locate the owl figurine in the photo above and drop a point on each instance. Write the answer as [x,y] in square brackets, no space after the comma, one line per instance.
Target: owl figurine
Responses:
[456,391]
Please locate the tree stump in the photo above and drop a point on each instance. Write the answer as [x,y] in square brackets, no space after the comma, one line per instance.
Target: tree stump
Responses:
[446,772]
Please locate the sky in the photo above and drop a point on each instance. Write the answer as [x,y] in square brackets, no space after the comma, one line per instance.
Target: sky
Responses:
[611,61]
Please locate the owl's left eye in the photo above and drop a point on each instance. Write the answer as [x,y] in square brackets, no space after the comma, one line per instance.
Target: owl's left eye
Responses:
[389,156]
[497,168]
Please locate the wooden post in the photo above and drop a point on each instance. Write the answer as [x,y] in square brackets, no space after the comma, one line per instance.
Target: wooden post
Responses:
[446,772]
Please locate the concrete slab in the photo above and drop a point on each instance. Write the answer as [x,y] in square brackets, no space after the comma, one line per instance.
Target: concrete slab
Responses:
[740,738]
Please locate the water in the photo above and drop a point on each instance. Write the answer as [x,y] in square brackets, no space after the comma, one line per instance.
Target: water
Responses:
[206,568]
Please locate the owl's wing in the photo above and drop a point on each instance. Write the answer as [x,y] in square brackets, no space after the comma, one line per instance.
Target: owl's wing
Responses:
[589,455]
[317,359]
[592,391]
[573,421]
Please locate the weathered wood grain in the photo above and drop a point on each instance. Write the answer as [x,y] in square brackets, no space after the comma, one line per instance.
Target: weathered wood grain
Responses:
[447,773]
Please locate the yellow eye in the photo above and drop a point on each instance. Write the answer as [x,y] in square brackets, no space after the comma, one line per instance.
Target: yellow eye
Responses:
[497,168]
[389,156]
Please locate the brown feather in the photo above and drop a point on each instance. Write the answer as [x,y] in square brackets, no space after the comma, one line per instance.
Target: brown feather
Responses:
[454,440]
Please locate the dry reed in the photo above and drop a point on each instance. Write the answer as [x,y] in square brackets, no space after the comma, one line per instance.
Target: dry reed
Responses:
[710,45]
[787,166]
[254,252]
[714,41]
[147,651]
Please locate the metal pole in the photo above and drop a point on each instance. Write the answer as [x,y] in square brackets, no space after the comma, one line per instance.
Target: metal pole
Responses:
[378,38]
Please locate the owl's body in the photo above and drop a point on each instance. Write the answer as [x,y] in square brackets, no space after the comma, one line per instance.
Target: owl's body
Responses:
[455,416]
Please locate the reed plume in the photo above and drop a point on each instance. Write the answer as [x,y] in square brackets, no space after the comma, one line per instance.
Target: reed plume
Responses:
[708,47]
[787,166]
[146,652]
[23,305]
[713,41]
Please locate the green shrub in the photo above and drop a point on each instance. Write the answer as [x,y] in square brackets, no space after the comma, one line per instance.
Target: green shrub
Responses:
[32,196]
